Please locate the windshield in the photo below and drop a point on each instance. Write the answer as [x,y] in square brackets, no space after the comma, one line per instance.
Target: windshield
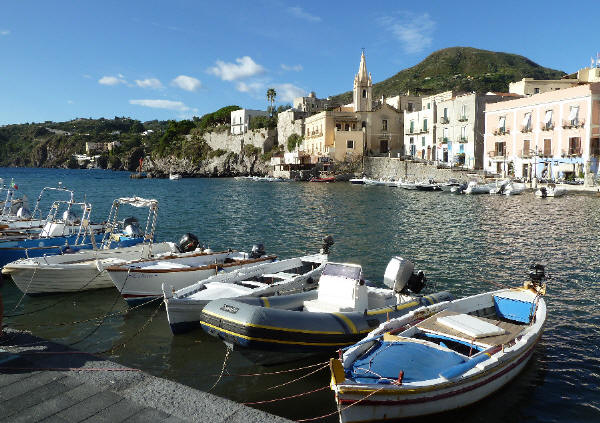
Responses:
[341,270]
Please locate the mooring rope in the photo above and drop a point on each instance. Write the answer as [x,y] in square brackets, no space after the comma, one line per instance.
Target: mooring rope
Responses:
[338,411]
[274,373]
[26,289]
[286,398]
[227,352]
[298,378]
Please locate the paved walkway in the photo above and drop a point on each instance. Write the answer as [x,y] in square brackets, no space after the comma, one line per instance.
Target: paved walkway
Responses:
[45,381]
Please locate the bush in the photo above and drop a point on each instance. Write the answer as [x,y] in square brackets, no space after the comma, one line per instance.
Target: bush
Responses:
[216,153]
[250,150]
[259,122]
[72,163]
[294,141]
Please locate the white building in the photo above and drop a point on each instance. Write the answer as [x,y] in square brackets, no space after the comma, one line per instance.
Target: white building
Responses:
[240,119]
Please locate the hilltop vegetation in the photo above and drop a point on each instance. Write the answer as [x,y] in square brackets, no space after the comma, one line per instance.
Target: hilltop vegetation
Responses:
[463,69]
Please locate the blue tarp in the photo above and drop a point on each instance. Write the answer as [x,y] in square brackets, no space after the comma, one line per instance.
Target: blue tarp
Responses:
[418,361]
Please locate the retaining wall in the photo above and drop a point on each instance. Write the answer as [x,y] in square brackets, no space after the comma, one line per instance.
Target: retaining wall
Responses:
[395,168]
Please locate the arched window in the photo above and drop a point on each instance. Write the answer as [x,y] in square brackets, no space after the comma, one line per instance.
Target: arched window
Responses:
[364,124]
[364,93]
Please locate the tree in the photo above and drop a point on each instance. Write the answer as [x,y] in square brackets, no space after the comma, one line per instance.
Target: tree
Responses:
[271,94]
[294,141]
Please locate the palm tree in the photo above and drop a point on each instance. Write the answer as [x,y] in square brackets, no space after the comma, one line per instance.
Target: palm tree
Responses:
[271,94]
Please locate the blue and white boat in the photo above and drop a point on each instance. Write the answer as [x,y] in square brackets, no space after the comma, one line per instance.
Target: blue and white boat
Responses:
[441,357]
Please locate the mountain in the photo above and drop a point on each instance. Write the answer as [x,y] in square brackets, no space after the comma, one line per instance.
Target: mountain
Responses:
[464,69]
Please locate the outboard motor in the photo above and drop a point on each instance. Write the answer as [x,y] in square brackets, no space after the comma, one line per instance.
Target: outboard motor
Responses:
[131,227]
[400,276]
[544,192]
[327,243]
[188,242]
[258,250]
[537,276]
[23,213]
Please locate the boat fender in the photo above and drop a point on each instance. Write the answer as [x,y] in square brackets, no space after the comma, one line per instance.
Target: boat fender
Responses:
[338,375]
[400,377]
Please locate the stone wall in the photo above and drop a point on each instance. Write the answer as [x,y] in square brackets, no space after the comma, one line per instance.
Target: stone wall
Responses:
[263,138]
[289,122]
[393,168]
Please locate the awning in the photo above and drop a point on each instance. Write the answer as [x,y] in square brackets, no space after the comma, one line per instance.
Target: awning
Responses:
[566,167]
[574,112]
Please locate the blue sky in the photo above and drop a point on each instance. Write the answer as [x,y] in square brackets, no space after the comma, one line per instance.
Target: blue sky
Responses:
[175,59]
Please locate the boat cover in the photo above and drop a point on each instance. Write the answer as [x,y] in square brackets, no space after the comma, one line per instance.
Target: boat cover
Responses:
[383,362]
[138,201]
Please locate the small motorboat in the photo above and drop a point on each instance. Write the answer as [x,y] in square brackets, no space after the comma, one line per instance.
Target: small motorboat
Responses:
[174,176]
[422,364]
[551,190]
[410,185]
[500,187]
[142,280]
[264,281]
[76,269]
[428,185]
[358,181]
[339,313]
[323,179]
[514,188]
[476,188]
[447,186]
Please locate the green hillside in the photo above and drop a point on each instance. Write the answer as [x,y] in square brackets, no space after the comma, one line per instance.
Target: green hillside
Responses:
[463,69]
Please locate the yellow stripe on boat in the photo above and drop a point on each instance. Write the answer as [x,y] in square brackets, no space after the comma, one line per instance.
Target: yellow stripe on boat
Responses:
[265,302]
[276,341]
[218,316]
[347,321]
[392,309]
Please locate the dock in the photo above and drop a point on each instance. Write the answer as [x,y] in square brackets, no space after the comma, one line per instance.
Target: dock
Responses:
[44,381]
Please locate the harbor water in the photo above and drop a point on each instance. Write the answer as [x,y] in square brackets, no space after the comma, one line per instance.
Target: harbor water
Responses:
[464,244]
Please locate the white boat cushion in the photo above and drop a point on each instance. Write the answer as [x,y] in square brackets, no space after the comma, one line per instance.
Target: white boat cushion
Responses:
[472,326]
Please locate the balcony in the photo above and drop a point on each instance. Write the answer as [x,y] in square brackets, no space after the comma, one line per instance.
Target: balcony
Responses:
[547,126]
[463,140]
[526,154]
[573,124]
[496,154]
[443,140]
[572,152]
[526,129]
[463,118]
[501,131]
[444,119]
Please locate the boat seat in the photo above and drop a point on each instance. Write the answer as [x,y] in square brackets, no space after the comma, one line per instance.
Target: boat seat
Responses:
[380,297]
[339,294]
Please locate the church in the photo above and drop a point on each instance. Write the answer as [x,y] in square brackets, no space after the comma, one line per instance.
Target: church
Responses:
[364,127]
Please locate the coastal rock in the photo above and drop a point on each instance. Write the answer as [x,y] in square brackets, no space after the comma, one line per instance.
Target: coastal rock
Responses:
[228,164]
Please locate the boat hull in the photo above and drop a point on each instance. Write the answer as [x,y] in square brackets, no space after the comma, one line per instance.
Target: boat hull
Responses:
[264,332]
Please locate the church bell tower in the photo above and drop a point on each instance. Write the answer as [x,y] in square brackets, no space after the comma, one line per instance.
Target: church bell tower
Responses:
[363,88]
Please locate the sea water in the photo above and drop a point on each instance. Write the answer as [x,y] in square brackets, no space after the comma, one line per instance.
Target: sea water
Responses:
[464,244]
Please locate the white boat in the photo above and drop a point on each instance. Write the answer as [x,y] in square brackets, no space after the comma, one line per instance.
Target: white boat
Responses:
[358,181]
[447,186]
[422,364]
[184,306]
[500,187]
[410,185]
[79,271]
[142,280]
[174,176]
[551,190]
[477,188]
[514,188]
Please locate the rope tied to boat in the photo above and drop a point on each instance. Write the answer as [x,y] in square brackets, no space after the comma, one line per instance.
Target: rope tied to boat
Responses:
[275,373]
[26,289]
[227,352]
[298,378]
[288,397]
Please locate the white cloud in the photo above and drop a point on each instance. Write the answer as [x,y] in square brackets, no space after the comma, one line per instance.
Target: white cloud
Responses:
[112,80]
[245,68]
[149,83]
[413,31]
[161,104]
[187,83]
[302,14]
[5,32]
[70,102]
[288,92]
[250,87]
[296,68]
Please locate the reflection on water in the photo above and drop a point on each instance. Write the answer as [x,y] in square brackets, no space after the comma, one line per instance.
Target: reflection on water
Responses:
[465,244]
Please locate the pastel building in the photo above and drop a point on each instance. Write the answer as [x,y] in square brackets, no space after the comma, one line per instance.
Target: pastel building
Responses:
[549,135]
[363,127]
[460,126]
[420,130]
[240,119]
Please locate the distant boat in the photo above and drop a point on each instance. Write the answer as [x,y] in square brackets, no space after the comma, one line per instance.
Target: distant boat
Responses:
[550,191]
[174,176]
[421,364]
[326,179]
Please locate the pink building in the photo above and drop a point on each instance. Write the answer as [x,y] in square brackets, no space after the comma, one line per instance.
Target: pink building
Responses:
[550,135]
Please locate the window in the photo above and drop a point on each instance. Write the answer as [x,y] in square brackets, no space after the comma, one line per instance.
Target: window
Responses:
[428,105]
[502,124]
[536,90]
[499,149]
[423,141]
[350,145]
[412,140]
[574,146]
[384,125]
[463,133]
[364,124]
[354,126]
[338,126]
[526,148]
[412,126]
[364,95]
[463,112]
[347,127]
[409,107]
[548,147]
[527,122]
[548,120]
[425,125]
[573,116]
[445,134]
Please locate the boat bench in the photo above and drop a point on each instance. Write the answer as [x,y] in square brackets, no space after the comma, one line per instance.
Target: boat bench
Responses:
[511,330]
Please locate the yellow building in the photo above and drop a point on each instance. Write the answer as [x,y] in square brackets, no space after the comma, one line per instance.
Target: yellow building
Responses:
[362,127]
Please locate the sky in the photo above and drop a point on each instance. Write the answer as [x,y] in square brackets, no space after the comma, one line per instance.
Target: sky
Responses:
[174,59]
